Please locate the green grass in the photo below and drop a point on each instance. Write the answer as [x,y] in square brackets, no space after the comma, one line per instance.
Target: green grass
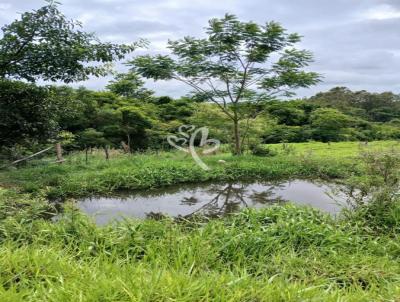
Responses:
[277,254]
[76,178]
[282,253]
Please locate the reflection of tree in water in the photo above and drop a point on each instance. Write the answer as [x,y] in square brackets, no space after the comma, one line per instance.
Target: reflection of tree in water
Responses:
[231,198]
[268,196]
[227,199]
[190,201]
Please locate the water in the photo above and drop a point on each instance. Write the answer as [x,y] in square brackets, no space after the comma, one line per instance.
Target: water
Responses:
[212,199]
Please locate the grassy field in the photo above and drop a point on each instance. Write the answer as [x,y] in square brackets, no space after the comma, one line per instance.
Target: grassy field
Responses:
[282,253]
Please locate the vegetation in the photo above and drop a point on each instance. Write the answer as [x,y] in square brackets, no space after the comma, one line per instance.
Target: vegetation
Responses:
[279,254]
[45,44]
[144,123]
[228,68]
[49,251]
[127,172]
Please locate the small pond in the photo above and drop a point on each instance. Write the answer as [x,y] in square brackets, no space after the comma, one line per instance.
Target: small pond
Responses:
[212,199]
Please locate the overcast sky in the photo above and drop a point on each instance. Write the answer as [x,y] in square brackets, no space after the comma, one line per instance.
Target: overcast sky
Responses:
[356,43]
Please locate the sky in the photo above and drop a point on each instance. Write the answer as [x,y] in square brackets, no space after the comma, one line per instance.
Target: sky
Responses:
[356,43]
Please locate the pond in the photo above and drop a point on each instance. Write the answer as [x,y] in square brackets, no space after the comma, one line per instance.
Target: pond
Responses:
[212,199]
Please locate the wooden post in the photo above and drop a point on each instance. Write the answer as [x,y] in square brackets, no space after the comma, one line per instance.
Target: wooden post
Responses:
[106,152]
[125,147]
[129,143]
[59,153]
[86,154]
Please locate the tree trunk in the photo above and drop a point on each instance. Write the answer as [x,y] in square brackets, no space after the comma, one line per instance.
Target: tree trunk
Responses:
[106,152]
[86,155]
[129,142]
[59,153]
[238,147]
[125,147]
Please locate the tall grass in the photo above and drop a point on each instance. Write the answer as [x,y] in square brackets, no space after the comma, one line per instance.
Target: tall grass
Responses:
[277,254]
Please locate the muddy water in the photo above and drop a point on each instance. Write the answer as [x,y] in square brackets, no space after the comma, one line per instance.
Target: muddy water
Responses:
[212,199]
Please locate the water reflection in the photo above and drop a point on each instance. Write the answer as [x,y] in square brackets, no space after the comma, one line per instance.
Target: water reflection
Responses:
[211,199]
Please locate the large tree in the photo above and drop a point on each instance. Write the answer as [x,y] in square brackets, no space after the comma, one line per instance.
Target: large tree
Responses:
[27,113]
[237,66]
[129,85]
[328,124]
[45,44]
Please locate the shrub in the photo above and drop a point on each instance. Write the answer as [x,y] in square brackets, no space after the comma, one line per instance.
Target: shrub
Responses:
[262,150]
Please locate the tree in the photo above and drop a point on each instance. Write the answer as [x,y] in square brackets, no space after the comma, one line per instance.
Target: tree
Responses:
[45,44]
[134,123]
[229,67]
[129,85]
[28,113]
[377,107]
[180,109]
[338,97]
[328,123]
[288,113]
[90,138]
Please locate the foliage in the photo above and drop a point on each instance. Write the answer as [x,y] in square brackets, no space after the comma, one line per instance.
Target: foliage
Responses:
[92,138]
[377,107]
[45,44]
[380,181]
[228,67]
[28,113]
[262,150]
[130,86]
[328,124]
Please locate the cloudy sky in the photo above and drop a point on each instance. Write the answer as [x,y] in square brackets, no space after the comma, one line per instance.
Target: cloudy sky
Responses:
[356,43]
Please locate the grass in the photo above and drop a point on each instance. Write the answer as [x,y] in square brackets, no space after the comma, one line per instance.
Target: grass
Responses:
[277,254]
[76,178]
[281,253]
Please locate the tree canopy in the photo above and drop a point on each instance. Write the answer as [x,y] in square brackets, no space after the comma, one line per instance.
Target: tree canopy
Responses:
[129,85]
[45,44]
[234,65]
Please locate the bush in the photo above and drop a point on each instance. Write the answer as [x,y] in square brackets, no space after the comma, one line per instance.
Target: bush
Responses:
[262,150]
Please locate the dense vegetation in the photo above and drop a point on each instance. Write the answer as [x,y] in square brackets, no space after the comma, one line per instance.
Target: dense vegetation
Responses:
[81,118]
[277,254]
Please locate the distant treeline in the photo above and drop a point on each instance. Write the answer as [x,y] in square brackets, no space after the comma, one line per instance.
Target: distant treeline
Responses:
[130,116]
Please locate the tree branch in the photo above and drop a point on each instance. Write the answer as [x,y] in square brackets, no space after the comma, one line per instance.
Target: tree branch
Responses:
[199,89]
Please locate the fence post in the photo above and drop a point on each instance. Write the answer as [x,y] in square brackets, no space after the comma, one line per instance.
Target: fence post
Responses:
[59,153]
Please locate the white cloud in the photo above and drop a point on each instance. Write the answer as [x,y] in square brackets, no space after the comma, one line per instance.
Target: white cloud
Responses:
[5,5]
[382,12]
